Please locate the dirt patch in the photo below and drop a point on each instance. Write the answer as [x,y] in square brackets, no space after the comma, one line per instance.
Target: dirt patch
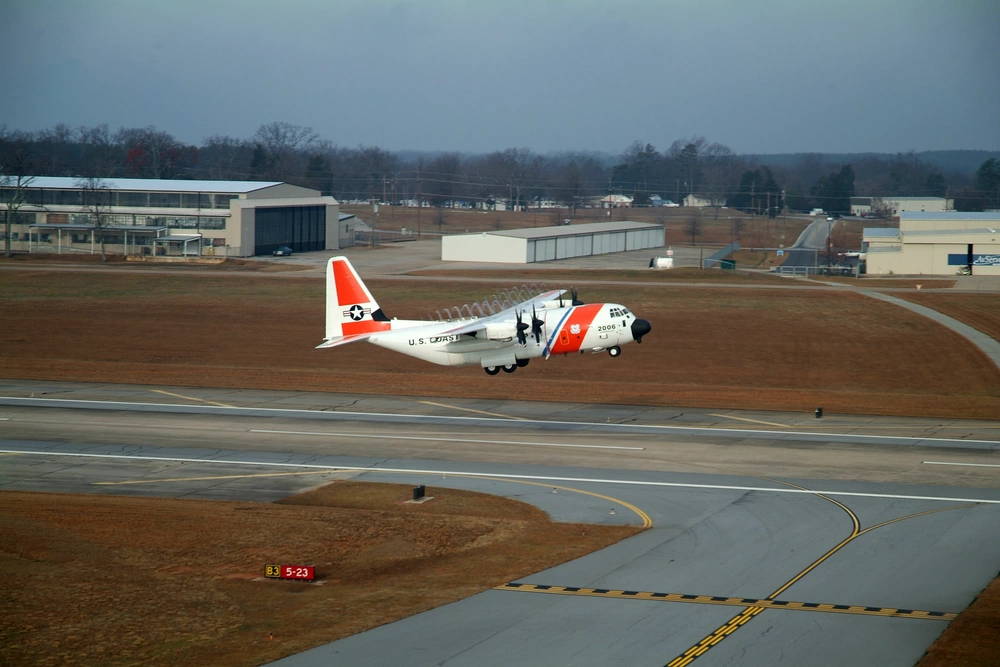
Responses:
[710,347]
[115,580]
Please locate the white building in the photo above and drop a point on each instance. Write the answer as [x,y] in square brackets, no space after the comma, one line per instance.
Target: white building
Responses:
[935,244]
[891,206]
[702,201]
[615,201]
[153,216]
[540,244]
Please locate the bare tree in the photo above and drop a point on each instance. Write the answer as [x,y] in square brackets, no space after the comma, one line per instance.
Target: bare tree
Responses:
[13,192]
[283,144]
[150,152]
[97,202]
[13,185]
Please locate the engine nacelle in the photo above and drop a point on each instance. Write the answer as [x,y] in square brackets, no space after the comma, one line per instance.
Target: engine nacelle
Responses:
[500,331]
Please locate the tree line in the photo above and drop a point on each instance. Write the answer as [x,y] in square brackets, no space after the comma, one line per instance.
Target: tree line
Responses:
[280,151]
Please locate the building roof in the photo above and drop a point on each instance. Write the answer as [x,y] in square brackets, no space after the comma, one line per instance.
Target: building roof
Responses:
[949,215]
[575,230]
[151,184]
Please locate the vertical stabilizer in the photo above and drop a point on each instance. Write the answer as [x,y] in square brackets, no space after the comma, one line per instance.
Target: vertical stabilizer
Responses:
[351,309]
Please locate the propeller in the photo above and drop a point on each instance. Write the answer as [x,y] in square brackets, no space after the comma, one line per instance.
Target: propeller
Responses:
[522,337]
[536,325]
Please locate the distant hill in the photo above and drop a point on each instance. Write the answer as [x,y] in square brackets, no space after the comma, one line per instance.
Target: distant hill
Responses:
[960,161]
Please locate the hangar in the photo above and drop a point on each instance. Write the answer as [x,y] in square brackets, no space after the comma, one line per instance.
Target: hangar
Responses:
[542,244]
[172,217]
[935,244]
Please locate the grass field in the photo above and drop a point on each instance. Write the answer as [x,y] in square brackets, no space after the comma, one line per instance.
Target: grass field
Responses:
[979,311]
[105,580]
[715,347]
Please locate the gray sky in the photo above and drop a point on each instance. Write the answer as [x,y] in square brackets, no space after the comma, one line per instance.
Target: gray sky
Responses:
[761,77]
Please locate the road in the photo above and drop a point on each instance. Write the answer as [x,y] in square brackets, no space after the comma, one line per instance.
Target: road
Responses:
[744,561]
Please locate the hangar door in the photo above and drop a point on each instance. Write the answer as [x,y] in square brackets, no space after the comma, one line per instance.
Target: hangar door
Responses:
[299,227]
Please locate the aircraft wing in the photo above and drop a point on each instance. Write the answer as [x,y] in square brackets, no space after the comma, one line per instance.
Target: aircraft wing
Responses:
[505,315]
[344,340]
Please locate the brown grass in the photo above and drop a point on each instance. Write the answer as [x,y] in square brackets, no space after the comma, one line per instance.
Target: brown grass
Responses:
[712,347]
[972,639]
[115,580]
[979,311]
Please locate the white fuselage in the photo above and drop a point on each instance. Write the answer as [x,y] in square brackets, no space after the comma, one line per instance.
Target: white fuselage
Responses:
[591,327]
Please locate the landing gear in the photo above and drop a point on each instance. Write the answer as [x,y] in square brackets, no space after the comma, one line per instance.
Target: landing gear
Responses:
[491,370]
[614,351]
[521,363]
[509,368]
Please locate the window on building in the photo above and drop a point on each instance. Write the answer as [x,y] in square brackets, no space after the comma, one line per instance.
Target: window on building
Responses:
[196,200]
[133,199]
[222,201]
[165,199]
[67,197]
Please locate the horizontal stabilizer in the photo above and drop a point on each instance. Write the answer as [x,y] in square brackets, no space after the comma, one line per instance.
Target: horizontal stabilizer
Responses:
[344,340]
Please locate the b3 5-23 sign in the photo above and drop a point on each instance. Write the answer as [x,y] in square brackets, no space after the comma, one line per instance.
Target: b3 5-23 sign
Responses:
[303,572]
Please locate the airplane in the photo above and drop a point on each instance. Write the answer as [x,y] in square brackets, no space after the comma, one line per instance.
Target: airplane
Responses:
[539,327]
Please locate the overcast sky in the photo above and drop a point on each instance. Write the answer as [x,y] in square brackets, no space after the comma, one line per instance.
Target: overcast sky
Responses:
[477,75]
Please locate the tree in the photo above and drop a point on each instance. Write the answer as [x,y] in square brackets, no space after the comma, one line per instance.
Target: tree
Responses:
[151,153]
[640,168]
[13,184]
[281,145]
[834,191]
[97,201]
[987,181]
[318,173]
[758,192]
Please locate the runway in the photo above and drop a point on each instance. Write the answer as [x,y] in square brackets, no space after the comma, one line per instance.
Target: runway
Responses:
[745,562]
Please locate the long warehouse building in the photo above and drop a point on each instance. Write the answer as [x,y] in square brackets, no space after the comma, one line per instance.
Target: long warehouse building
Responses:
[171,217]
[542,244]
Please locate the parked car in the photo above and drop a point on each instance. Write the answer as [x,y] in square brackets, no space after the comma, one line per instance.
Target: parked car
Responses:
[282,251]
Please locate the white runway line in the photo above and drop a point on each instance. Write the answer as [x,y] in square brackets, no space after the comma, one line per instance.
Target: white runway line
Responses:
[949,463]
[492,475]
[444,439]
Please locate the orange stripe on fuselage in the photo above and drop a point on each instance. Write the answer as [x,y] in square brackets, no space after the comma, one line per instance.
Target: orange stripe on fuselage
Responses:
[349,290]
[579,321]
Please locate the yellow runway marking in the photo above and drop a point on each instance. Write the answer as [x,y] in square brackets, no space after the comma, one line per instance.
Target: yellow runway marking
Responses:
[753,606]
[646,520]
[211,477]
[481,412]
[192,398]
[751,611]
[747,419]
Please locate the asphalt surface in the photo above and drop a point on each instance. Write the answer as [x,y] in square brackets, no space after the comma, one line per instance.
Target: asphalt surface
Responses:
[743,562]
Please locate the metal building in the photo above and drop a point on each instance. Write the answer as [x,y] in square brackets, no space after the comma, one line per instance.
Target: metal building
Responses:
[542,244]
[935,244]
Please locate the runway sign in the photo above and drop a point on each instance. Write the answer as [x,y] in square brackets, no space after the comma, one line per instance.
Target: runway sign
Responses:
[301,572]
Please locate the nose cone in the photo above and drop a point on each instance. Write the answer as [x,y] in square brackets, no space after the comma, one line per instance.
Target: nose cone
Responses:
[639,329]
